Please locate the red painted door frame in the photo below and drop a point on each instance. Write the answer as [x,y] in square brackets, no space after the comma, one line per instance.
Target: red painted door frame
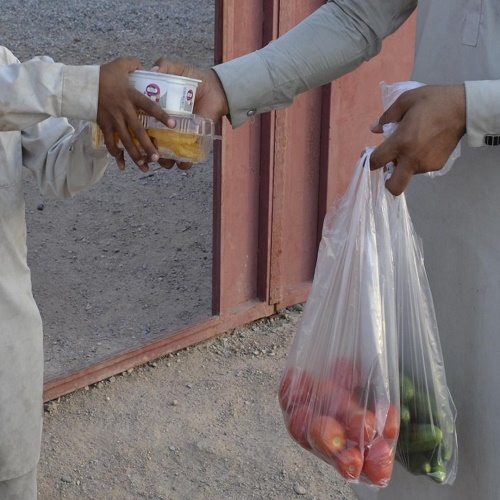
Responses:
[274,178]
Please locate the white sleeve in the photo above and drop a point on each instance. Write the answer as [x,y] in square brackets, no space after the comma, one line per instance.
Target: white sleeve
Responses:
[483,112]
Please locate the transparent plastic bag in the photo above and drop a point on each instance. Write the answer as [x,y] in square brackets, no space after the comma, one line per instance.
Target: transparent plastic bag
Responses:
[339,392]
[427,443]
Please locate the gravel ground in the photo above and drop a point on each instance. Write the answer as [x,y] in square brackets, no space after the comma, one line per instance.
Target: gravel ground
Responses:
[130,260]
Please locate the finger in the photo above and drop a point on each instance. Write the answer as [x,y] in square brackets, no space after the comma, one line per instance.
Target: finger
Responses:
[110,142]
[168,164]
[393,114]
[166,66]
[184,165]
[132,63]
[142,138]
[120,160]
[376,127]
[131,148]
[383,154]
[149,107]
[399,179]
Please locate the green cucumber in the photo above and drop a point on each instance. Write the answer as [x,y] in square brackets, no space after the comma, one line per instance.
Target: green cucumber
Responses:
[406,388]
[419,437]
[446,446]
[438,471]
[418,464]
[405,415]
[424,409]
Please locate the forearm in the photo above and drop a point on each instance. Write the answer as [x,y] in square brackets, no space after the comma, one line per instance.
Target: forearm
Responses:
[37,89]
[331,42]
[482,112]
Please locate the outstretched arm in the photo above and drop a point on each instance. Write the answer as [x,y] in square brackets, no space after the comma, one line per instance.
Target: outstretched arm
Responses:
[37,89]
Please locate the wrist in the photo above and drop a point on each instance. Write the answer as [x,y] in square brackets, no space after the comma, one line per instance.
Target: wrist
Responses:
[221,97]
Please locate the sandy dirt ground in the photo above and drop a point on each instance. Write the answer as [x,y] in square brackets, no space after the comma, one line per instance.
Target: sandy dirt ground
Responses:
[201,424]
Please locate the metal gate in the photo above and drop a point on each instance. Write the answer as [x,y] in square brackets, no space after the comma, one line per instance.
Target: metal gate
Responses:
[273,181]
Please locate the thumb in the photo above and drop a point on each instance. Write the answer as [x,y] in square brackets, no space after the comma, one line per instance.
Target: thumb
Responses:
[163,65]
[393,114]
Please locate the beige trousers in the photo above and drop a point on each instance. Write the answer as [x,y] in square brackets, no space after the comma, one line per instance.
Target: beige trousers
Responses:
[19,488]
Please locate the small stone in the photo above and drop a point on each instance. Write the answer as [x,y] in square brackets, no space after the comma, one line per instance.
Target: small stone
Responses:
[300,490]
[40,206]
[175,402]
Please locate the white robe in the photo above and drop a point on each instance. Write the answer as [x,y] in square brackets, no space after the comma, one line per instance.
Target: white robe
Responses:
[457,215]
[63,162]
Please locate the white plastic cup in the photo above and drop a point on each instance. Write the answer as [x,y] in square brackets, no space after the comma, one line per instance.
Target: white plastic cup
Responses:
[176,94]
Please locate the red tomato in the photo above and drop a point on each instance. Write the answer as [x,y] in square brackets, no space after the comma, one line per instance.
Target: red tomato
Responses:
[349,463]
[379,462]
[346,373]
[295,388]
[297,423]
[334,400]
[360,426]
[392,422]
[327,436]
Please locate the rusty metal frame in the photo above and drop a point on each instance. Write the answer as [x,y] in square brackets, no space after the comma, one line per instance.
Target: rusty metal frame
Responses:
[273,181]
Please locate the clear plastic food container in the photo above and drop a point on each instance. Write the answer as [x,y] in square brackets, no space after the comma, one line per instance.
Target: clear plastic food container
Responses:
[190,141]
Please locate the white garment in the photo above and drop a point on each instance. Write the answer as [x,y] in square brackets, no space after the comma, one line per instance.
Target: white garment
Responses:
[457,215]
[63,163]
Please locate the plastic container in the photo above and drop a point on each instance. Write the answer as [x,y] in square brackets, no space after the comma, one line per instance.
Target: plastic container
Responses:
[174,93]
[190,141]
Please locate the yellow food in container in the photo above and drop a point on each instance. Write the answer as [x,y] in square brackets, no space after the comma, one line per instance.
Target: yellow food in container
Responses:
[190,141]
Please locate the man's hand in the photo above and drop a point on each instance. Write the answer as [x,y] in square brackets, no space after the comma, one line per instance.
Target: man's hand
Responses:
[211,101]
[117,113]
[431,122]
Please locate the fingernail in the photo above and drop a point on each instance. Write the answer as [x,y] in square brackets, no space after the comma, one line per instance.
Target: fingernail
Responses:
[374,124]
[155,157]
[140,163]
[155,68]
[171,123]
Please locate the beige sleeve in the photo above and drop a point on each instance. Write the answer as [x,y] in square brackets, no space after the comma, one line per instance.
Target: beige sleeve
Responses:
[37,89]
[331,42]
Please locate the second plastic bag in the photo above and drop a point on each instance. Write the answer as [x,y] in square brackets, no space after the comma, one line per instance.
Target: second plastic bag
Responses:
[427,443]
[339,392]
